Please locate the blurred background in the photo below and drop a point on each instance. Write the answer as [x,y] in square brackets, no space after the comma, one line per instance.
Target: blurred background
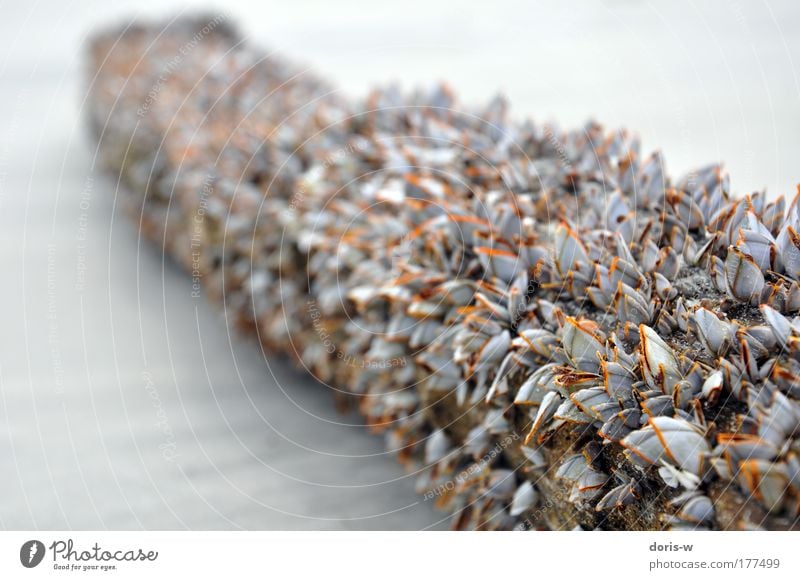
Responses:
[125,406]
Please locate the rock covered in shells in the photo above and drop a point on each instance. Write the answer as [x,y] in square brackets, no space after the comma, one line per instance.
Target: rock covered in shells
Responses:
[554,331]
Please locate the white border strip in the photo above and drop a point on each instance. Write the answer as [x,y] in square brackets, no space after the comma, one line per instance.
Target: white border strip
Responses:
[409,555]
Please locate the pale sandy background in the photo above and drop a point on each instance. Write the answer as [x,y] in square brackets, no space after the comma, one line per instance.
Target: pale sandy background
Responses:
[125,404]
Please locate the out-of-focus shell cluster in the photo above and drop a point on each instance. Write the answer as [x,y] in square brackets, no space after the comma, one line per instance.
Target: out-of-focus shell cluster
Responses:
[551,330]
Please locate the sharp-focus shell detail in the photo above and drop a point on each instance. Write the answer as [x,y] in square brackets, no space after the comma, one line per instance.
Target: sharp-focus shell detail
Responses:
[674,440]
[715,335]
[586,480]
[533,317]
[658,361]
[624,494]
[695,511]
[744,277]
[789,249]
[570,253]
[582,344]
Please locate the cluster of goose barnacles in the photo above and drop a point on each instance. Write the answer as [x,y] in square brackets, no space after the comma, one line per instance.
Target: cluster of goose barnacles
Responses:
[546,327]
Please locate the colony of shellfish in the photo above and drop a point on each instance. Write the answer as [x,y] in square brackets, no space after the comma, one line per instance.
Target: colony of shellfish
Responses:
[548,328]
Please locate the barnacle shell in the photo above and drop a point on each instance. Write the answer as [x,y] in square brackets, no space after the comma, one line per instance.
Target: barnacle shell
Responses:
[715,335]
[620,496]
[658,361]
[582,344]
[695,509]
[524,498]
[676,440]
[744,277]
[500,297]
